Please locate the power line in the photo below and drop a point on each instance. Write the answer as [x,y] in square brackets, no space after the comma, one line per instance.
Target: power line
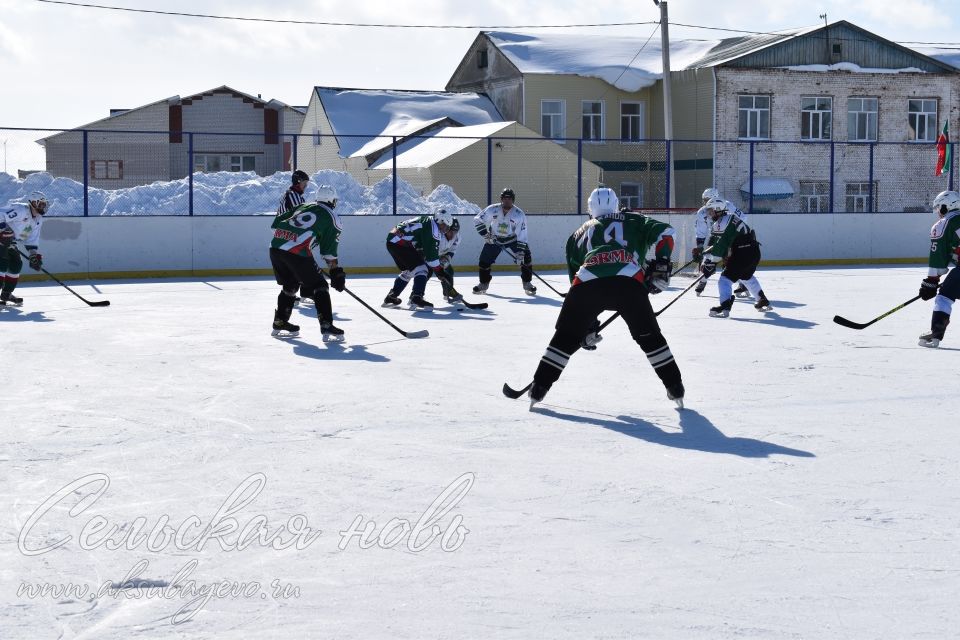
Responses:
[345,24]
[451,26]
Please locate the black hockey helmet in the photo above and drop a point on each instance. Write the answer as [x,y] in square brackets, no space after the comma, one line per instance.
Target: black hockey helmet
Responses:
[508,193]
[300,176]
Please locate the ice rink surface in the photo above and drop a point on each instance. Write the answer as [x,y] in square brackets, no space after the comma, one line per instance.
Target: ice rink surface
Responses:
[808,490]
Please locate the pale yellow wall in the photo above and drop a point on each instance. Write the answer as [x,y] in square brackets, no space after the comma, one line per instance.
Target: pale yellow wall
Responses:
[311,157]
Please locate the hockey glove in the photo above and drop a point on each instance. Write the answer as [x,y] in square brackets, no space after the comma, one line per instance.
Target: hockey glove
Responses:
[489,238]
[657,275]
[520,253]
[445,261]
[708,268]
[36,261]
[590,341]
[697,252]
[6,237]
[338,279]
[928,288]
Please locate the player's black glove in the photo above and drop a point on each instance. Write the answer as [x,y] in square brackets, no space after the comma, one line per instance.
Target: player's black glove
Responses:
[708,268]
[589,341]
[6,237]
[657,275]
[696,253]
[36,261]
[338,279]
[928,288]
[520,253]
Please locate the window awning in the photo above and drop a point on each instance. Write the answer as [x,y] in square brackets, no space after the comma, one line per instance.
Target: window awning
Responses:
[768,189]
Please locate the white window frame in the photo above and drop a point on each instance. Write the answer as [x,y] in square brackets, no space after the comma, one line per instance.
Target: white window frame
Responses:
[107,170]
[814,196]
[238,160]
[633,120]
[631,201]
[757,127]
[557,119]
[818,118]
[858,112]
[922,122]
[596,120]
[856,197]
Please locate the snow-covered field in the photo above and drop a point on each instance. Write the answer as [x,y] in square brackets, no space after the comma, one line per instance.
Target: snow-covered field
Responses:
[808,490]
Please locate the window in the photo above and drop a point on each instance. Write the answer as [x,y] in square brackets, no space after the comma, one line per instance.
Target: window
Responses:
[754,117]
[482,59]
[592,119]
[317,138]
[631,121]
[922,117]
[208,163]
[862,119]
[551,118]
[106,169]
[815,118]
[814,197]
[858,196]
[631,195]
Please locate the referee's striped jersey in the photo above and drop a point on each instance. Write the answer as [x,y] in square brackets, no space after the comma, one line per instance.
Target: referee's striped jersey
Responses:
[290,200]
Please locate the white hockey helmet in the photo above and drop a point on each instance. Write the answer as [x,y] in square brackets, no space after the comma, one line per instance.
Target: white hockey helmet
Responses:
[602,201]
[39,202]
[710,194]
[442,216]
[327,195]
[945,202]
[718,206]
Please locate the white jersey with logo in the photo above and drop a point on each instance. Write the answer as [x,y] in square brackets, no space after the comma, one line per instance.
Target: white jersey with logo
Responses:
[26,227]
[505,226]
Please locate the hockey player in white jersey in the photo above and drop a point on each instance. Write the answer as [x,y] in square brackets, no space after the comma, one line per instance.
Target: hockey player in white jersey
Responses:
[504,226]
[701,228]
[21,222]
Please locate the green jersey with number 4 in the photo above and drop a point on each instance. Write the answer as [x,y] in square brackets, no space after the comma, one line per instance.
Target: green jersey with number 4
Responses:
[615,245]
[305,227]
[944,243]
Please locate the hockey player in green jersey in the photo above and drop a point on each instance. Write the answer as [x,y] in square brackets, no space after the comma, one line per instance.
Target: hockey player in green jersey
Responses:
[944,250]
[417,246]
[604,257]
[296,234]
[733,242]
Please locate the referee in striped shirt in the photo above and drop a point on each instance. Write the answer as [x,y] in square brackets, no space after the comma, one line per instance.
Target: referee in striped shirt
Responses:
[293,198]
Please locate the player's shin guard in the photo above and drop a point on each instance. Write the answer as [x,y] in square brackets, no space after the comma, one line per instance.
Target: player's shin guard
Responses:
[526,273]
[486,274]
[321,300]
[661,359]
[554,361]
[10,282]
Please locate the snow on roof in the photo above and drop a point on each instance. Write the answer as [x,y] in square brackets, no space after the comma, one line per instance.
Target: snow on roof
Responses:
[849,66]
[400,129]
[358,115]
[946,56]
[768,189]
[630,64]
[440,144]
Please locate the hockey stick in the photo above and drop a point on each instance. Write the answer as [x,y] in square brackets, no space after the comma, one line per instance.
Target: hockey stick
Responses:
[857,325]
[536,275]
[422,333]
[99,303]
[450,287]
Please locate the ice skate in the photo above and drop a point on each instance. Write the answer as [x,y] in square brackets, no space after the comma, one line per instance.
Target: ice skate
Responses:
[762,303]
[675,393]
[284,329]
[537,393]
[700,287]
[417,303]
[930,339]
[10,299]
[741,292]
[529,289]
[331,333]
[392,300]
[723,310]
[482,287]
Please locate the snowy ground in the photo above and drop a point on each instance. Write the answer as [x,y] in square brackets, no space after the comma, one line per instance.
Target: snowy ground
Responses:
[809,490]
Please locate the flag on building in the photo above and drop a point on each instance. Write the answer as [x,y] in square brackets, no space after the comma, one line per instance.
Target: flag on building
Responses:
[943,150]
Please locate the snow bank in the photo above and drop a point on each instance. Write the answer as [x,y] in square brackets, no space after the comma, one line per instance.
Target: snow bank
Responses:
[229,193]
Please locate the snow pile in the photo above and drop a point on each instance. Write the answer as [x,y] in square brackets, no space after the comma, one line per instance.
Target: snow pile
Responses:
[229,193]
[849,66]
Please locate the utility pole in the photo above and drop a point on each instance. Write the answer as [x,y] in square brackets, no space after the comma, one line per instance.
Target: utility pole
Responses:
[667,99]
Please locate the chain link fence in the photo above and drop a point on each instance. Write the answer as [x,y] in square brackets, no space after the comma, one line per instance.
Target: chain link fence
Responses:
[103,172]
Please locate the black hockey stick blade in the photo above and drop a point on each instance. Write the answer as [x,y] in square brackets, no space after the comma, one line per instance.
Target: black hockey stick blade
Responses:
[98,303]
[512,393]
[422,333]
[843,322]
[474,305]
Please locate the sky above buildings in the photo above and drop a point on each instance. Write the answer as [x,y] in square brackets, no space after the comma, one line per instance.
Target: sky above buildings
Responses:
[65,65]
